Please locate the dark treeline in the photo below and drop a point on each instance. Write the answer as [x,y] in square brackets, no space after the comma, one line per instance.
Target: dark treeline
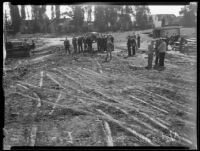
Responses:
[106,18]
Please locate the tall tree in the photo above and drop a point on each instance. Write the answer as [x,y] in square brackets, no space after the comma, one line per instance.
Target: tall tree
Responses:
[23,13]
[15,18]
[110,17]
[57,12]
[100,18]
[142,14]
[27,12]
[124,21]
[36,16]
[189,15]
[52,12]
[78,17]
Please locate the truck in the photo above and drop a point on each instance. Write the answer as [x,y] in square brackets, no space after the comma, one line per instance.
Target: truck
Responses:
[161,32]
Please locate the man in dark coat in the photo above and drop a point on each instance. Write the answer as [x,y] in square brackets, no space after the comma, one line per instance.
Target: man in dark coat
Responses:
[85,43]
[105,43]
[133,46]
[129,46]
[157,53]
[89,43]
[138,40]
[109,49]
[112,40]
[67,45]
[80,44]
[74,43]
[98,43]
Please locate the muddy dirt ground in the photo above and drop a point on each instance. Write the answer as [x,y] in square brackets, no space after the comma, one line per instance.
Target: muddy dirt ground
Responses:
[56,99]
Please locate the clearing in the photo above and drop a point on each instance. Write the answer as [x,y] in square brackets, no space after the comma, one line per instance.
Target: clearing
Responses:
[53,99]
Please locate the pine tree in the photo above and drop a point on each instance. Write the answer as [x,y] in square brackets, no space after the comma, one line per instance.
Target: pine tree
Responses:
[15,18]
[57,12]
[52,12]
[142,13]
[189,15]
[78,17]
[100,18]
[23,14]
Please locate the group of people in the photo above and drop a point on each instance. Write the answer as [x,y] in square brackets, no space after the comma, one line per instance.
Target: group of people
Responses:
[84,43]
[102,42]
[133,43]
[159,47]
[106,43]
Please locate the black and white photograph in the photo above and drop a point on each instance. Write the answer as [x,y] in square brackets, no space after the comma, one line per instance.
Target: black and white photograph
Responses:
[100,74]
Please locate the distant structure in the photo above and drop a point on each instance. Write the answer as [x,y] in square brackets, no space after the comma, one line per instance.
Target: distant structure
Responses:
[167,19]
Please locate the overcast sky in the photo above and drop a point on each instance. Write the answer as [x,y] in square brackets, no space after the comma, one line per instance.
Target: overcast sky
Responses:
[167,9]
[154,9]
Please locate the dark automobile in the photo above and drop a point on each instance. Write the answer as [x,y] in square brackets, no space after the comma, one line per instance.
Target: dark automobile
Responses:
[17,49]
[93,36]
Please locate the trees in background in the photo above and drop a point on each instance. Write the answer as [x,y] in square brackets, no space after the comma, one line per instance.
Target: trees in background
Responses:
[40,18]
[57,8]
[23,13]
[52,12]
[100,19]
[106,17]
[15,18]
[142,16]
[77,17]
[125,17]
[189,15]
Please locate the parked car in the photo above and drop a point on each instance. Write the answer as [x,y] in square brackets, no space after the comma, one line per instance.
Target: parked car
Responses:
[93,36]
[17,49]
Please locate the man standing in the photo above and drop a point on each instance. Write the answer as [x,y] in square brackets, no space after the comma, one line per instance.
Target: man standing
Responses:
[105,42]
[85,42]
[134,36]
[162,50]
[182,41]
[112,40]
[129,46]
[109,49]
[80,44]
[100,43]
[67,44]
[133,46]
[138,41]
[89,43]
[74,42]
[150,55]
[157,52]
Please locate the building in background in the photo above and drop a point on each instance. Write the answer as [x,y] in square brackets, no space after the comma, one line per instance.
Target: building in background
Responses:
[160,20]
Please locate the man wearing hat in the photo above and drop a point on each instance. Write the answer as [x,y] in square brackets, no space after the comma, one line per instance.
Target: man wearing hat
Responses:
[74,43]
[157,43]
[67,44]
[150,54]
[162,50]
[129,45]
[133,45]
[109,49]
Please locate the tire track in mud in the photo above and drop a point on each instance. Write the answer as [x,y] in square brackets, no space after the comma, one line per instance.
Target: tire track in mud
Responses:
[114,114]
[129,113]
